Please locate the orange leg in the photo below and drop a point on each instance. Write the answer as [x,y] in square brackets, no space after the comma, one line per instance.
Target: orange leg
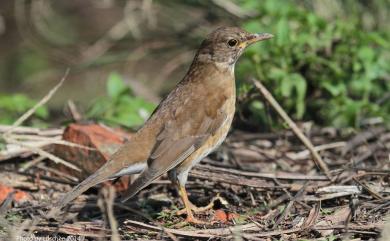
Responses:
[209,206]
[187,206]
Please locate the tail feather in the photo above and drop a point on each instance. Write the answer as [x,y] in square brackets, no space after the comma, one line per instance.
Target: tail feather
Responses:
[142,181]
[123,162]
[89,182]
[75,192]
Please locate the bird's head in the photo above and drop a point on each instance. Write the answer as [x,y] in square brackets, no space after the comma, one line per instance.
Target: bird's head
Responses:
[225,45]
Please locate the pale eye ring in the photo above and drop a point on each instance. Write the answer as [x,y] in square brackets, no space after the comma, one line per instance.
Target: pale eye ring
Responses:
[232,42]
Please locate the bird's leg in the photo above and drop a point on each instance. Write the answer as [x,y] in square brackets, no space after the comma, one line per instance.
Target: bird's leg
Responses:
[187,206]
[209,206]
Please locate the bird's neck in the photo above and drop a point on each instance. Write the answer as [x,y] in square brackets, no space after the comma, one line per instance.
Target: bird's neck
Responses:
[211,68]
[225,67]
[212,76]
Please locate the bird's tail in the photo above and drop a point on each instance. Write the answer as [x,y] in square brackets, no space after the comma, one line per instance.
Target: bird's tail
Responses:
[142,181]
[75,192]
[99,176]
[89,182]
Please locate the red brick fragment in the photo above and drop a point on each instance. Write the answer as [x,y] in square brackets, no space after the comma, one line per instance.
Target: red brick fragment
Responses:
[18,196]
[105,140]
[222,216]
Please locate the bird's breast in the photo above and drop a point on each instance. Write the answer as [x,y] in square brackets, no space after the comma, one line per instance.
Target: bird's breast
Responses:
[214,141]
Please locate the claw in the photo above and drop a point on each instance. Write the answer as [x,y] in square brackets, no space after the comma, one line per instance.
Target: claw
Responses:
[209,206]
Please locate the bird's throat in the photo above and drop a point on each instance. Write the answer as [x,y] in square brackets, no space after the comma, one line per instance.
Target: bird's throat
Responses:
[225,67]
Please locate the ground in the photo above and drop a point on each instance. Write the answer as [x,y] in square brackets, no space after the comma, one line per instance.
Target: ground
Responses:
[272,188]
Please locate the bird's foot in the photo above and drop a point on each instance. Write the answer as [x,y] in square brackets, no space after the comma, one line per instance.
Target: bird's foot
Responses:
[192,220]
[209,206]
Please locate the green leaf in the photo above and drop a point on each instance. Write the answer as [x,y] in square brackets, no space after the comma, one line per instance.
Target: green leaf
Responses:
[121,107]
[115,85]
[366,54]
[344,61]
[286,87]
[334,89]
[282,34]
[13,106]
[300,87]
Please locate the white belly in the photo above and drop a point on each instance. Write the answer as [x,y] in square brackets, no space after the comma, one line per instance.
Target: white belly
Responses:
[182,171]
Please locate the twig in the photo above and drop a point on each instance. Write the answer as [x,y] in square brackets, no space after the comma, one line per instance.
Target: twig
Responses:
[379,207]
[302,189]
[32,130]
[45,154]
[369,190]
[317,158]
[285,176]
[313,215]
[234,179]
[6,203]
[303,154]
[372,150]
[58,173]
[43,101]
[362,137]
[106,204]
[120,205]
[54,140]
[205,233]
[74,112]
[31,163]
[11,139]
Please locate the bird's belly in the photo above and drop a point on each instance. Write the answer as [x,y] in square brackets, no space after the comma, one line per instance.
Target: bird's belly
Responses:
[181,171]
[211,144]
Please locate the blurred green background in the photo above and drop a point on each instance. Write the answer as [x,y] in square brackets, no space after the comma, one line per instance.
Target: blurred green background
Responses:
[328,63]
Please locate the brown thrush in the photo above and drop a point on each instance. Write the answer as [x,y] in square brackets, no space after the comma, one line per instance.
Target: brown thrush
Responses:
[188,124]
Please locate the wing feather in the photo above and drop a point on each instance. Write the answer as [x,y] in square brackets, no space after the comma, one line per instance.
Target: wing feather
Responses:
[188,127]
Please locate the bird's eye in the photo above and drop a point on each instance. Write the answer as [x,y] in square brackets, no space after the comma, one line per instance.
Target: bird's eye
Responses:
[232,42]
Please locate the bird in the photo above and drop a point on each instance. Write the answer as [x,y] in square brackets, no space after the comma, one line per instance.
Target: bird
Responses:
[187,125]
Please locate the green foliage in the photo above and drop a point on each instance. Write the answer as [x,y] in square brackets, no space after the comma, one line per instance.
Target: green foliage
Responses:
[13,106]
[120,106]
[331,72]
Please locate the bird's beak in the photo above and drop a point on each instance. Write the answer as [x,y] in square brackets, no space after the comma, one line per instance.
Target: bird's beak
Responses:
[256,37]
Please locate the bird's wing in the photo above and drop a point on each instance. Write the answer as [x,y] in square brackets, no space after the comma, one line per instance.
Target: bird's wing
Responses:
[176,141]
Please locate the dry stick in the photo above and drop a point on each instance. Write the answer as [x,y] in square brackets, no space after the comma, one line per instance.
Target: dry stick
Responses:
[285,176]
[201,233]
[287,209]
[44,153]
[55,140]
[43,101]
[32,130]
[369,190]
[317,158]
[31,163]
[107,206]
[8,137]
[74,112]
[122,206]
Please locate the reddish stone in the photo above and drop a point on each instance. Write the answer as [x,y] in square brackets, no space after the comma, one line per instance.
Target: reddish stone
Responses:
[105,140]
[18,196]
[220,216]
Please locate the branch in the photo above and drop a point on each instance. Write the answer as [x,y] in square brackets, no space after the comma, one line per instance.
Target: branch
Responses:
[317,158]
